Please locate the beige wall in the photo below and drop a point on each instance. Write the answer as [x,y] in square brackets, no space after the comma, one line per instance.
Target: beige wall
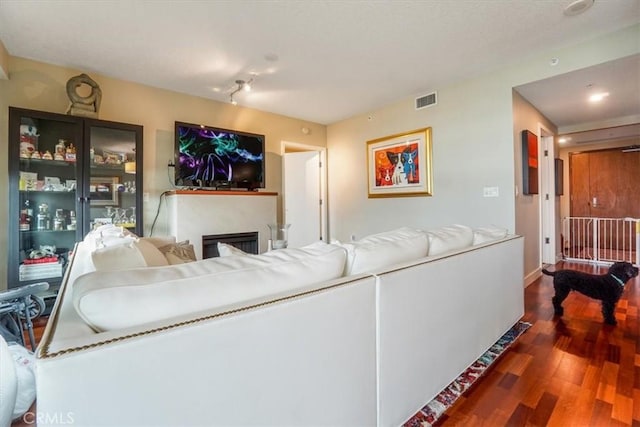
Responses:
[41,86]
[4,61]
[525,116]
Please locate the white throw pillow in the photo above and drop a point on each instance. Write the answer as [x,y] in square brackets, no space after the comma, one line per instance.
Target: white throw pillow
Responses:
[113,300]
[225,249]
[488,234]
[134,254]
[385,249]
[108,235]
[111,230]
[449,238]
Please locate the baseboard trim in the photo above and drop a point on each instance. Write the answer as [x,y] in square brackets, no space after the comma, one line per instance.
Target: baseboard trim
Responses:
[532,277]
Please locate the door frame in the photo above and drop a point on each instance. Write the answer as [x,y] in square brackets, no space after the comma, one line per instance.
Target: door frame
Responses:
[547,197]
[290,147]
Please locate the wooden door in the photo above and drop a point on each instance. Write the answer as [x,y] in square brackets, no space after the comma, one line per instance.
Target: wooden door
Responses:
[604,184]
[579,184]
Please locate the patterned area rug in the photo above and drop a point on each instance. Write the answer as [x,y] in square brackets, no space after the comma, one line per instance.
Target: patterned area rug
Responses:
[433,410]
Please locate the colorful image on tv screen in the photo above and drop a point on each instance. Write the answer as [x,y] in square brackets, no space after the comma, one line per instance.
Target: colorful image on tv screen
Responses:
[208,156]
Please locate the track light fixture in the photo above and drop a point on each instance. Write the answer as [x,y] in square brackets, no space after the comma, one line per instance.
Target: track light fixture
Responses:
[240,85]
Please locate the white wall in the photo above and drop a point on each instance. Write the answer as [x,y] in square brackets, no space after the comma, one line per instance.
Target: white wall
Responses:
[474,145]
[470,151]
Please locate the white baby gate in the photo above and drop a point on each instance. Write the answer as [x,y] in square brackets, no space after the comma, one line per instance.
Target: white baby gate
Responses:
[601,240]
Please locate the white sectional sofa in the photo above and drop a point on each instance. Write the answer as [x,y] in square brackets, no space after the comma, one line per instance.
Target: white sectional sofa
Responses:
[356,334]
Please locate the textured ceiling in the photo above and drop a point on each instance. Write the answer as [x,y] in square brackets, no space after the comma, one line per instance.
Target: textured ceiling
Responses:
[319,61]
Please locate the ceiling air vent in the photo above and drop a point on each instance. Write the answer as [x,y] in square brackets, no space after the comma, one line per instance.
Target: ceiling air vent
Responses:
[426,101]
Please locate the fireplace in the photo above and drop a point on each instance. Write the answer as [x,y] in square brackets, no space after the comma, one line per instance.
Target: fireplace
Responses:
[247,242]
[226,212]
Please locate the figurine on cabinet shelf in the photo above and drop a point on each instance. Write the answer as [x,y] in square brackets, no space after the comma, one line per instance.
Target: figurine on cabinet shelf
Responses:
[61,149]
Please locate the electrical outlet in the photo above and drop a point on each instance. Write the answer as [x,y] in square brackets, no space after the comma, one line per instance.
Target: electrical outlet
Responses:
[145,197]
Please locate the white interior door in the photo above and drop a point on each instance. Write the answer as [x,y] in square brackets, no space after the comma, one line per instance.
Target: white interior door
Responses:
[302,197]
[547,198]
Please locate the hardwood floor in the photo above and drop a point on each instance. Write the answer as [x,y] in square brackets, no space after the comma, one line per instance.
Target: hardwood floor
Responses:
[569,371]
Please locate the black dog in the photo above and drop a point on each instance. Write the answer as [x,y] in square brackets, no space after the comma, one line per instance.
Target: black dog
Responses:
[605,287]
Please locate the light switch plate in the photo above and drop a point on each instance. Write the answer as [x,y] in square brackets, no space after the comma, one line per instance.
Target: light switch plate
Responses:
[491,192]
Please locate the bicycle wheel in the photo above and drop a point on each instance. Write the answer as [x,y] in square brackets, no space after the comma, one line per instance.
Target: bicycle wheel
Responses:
[36,307]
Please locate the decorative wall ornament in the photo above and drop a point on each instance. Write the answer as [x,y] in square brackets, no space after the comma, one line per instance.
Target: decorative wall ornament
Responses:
[529,162]
[85,106]
[400,165]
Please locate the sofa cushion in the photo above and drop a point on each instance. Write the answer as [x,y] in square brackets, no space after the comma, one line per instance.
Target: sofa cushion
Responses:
[488,234]
[449,238]
[384,249]
[113,300]
[160,241]
[131,254]
[178,253]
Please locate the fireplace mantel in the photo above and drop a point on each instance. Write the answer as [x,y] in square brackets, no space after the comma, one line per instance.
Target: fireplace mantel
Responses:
[220,193]
[196,213]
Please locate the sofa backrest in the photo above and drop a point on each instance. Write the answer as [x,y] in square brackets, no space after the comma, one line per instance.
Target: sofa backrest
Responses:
[109,300]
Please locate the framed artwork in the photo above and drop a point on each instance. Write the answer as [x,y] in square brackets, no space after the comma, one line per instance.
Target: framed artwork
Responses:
[400,165]
[529,162]
[558,163]
[103,191]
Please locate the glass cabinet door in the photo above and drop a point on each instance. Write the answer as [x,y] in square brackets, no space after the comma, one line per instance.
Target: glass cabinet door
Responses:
[67,175]
[43,195]
[112,175]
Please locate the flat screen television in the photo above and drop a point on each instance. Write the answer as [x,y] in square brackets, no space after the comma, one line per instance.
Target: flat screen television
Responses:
[215,158]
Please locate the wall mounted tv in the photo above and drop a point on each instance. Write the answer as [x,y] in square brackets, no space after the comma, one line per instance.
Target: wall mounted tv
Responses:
[209,157]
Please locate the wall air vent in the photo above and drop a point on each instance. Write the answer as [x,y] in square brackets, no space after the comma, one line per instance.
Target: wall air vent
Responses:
[426,100]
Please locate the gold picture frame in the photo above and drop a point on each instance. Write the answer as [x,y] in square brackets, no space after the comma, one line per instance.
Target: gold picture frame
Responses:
[103,191]
[400,165]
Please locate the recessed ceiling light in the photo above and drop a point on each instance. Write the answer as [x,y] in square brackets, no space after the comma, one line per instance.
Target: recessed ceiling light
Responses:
[577,7]
[597,97]
[564,139]
[554,62]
